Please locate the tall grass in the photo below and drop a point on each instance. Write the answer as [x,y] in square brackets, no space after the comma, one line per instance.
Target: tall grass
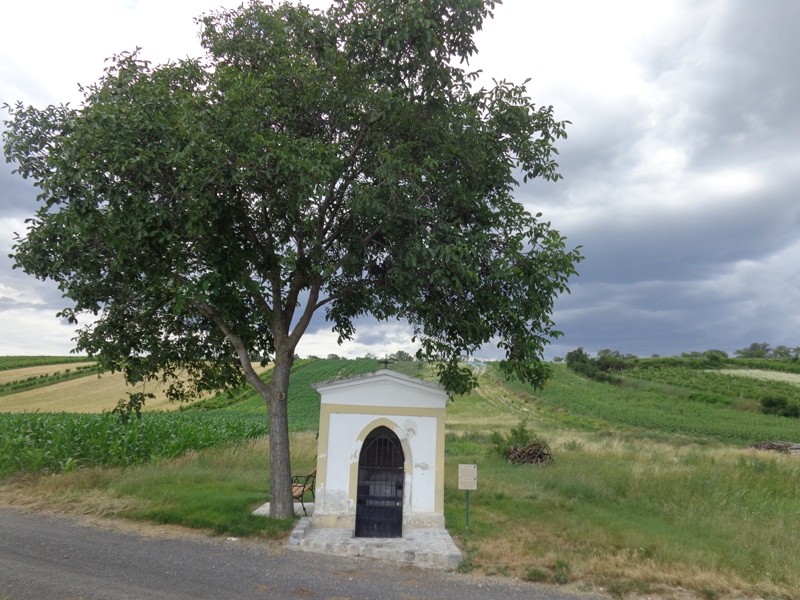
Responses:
[633,514]
[629,504]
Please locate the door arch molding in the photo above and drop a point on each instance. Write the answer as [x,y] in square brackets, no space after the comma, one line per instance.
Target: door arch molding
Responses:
[380,485]
[362,436]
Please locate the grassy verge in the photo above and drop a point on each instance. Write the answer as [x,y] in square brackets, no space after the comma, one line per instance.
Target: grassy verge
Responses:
[214,490]
[641,499]
[633,515]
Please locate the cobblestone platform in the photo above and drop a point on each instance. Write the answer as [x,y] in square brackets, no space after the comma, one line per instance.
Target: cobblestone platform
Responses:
[420,547]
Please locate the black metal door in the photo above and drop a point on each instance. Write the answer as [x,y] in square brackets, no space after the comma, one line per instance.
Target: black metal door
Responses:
[379,505]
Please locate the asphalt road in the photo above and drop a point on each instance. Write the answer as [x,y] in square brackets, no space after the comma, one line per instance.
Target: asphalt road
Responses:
[62,558]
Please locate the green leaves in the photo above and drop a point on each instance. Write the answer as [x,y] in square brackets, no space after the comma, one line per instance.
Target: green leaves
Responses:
[203,210]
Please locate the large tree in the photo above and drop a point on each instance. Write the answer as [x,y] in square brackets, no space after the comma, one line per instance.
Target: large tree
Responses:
[200,212]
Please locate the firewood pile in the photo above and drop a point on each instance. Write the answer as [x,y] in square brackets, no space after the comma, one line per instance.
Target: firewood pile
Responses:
[534,453]
[785,447]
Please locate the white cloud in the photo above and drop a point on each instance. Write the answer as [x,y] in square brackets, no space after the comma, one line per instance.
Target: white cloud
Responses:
[16,295]
[378,338]
[31,331]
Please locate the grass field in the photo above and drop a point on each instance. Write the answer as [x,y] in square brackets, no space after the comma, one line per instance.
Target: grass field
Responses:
[643,493]
[651,495]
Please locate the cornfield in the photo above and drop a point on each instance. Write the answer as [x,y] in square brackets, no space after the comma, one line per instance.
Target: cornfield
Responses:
[60,442]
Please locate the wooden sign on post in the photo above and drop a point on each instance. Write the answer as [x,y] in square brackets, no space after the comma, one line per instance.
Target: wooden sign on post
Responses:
[468,477]
[468,480]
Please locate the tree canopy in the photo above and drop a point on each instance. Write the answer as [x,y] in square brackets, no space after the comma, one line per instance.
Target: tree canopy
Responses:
[201,211]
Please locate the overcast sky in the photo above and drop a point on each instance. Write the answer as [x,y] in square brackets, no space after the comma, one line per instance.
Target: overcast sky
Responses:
[681,171]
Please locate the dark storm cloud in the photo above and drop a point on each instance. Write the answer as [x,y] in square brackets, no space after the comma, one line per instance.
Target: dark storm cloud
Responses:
[686,200]
[738,74]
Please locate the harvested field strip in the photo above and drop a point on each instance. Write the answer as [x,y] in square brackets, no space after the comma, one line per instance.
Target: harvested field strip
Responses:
[8,375]
[85,395]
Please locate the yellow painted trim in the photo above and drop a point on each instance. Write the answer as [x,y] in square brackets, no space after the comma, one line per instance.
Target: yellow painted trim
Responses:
[349,409]
[438,501]
[322,447]
[408,463]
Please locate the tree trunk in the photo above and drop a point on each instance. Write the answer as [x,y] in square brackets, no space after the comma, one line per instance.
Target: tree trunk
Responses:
[281,503]
[275,394]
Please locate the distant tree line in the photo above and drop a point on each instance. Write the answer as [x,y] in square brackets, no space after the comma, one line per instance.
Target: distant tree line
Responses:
[608,359]
[754,350]
[764,350]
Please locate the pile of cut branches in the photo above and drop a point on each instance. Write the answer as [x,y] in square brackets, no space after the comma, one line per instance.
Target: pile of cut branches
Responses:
[534,453]
[522,447]
[785,447]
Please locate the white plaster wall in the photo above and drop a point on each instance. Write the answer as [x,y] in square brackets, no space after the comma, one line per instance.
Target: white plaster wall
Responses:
[344,449]
[382,389]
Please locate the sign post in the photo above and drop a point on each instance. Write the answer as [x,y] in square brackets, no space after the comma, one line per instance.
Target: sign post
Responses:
[468,480]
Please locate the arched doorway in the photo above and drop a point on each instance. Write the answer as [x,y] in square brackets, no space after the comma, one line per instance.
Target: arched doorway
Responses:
[381,475]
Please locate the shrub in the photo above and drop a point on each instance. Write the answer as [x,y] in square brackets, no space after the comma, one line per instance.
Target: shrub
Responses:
[599,369]
[715,356]
[779,405]
[792,410]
